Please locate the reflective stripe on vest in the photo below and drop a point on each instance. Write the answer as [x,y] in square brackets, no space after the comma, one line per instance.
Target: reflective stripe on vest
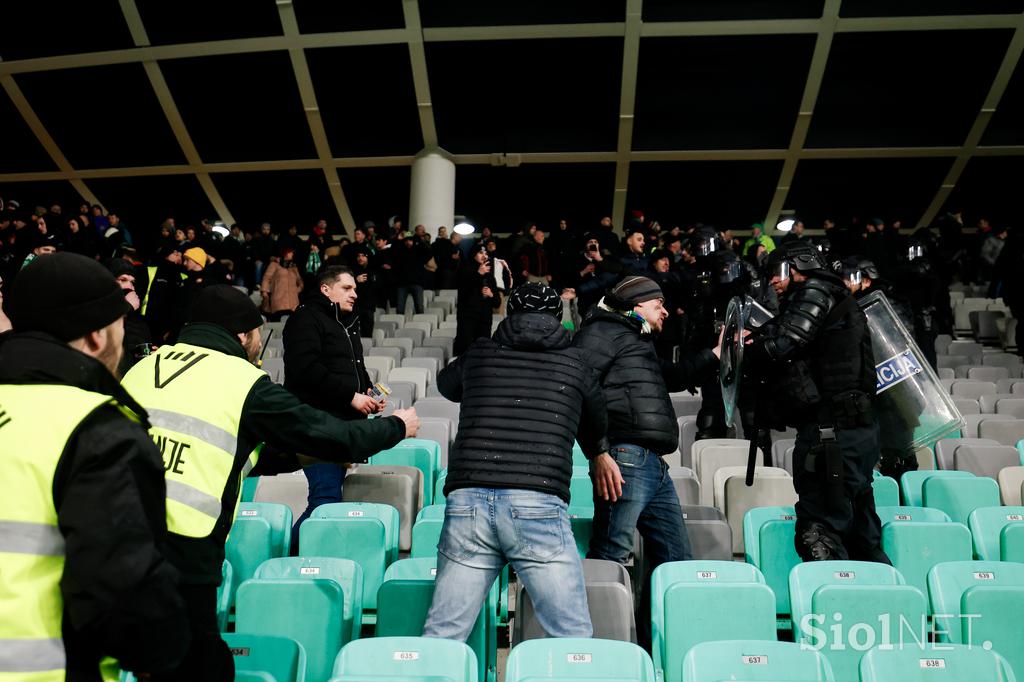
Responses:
[36,422]
[149,287]
[194,397]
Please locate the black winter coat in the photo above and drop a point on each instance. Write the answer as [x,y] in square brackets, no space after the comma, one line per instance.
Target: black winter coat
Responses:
[525,395]
[635,381]
[323,357]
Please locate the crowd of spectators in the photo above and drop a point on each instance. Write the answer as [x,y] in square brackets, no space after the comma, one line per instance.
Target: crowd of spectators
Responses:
[170,263]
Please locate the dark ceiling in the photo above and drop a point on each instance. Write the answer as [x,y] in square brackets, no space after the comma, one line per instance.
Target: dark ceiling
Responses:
[718,92]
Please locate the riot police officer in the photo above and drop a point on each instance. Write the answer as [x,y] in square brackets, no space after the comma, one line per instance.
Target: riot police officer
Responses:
[928,298]
[818,354]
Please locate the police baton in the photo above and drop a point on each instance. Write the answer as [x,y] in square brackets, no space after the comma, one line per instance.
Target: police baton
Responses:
[266,344]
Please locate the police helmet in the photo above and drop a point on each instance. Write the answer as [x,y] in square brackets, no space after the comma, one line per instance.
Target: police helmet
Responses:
[729,267]
[916,249]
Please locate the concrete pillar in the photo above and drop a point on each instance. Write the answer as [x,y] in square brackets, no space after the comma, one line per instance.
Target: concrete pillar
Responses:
[432,191]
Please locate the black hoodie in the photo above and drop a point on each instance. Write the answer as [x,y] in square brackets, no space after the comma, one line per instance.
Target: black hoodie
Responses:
[120,593]
[525,396]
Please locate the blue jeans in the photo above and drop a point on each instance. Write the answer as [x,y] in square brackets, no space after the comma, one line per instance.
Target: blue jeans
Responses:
[649,504]
[486,528]
[417,298]
[325,482]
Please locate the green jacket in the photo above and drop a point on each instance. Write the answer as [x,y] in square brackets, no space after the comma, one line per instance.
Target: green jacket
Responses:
[765,240]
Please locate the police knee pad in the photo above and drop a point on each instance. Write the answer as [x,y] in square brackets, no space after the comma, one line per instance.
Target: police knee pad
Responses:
[895,465]
[817,543]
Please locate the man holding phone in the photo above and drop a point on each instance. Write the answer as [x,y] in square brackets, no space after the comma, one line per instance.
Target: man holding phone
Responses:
[324,368]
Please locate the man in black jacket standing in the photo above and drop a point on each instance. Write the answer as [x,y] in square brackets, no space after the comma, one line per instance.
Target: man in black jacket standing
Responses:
[478,300]
[632,487]
[525,395]
[323,367]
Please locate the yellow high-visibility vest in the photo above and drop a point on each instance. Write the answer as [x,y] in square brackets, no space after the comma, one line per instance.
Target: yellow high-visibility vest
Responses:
[36,422]
[194,397]
[149,285]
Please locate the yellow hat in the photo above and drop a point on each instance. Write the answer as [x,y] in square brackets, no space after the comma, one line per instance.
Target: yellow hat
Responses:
[196,254]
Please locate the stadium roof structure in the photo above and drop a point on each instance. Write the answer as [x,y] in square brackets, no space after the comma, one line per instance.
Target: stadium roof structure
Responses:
[721,111]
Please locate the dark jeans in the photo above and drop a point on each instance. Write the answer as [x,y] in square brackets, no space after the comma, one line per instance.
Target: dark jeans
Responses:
[209,658]
[417,297]
[849,519]
[649,504]
[325,482]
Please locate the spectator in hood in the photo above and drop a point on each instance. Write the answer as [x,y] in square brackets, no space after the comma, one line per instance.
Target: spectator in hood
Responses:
[137,337]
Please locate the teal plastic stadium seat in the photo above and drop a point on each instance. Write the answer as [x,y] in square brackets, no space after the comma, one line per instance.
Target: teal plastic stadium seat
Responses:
[425,536]
[578,659]
[253,676]
[887,491]
[387,514]
[999,620]
[1011,543]
[959,497]
[249,485]
[308,611]
[423,454]
[581,490]
[434,511]
[907,513]
[911,483]
[402,607]
[250,542]
[945,663]
[755,660]
[948,582]
[987,524]
[915,546]
[578,458]
[697,601]
[279,516]
[282,658]
[345,572]
[768,542]
[361,540]
[871,600]
[390,658]
[442,478]
[224,592]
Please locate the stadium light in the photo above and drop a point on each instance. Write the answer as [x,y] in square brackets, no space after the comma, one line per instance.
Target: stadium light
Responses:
[785,225]
[464,228]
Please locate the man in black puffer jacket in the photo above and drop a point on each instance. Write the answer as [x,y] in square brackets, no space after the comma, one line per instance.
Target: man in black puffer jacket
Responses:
[323,367]
[632,487]
[525,395]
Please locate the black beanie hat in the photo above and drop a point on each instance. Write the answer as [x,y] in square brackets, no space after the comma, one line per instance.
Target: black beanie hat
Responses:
[66,295]
[119,266]
[226,307]
[534,297]
[633,291]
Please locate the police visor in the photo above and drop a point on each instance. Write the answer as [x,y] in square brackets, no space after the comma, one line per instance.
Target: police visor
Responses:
[852,275]
[779,271]
[915,251]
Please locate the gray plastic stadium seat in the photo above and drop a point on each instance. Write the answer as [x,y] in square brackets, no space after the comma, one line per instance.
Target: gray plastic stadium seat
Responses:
[1011,406]
[1010,360]
[275,368]
[429,364]
[404,391]
[942,342]
[985,460]
[967,405]
[439,430]
[696,512]
[609,597]
[983,324]
[685,404]
[1011,480]
[945,449]
[972,389]
[288,489]
[441,342]
[779,456]
[385,352]
[438,407]
[992,374]
[394,342]
[989,401]
[971,349]
[946,373]
[973,421]
[711,539]
[386,329]
[414,335]
[1006,432]
[687,435]
[398,486]
[444,332]
[687,487]
[436,353]
[952,360]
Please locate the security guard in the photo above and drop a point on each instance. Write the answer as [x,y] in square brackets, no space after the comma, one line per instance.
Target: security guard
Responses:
[211,411]
[84,585]
[818,355]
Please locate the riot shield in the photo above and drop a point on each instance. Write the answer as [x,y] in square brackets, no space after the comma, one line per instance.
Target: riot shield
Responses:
[731,363]
[911,406]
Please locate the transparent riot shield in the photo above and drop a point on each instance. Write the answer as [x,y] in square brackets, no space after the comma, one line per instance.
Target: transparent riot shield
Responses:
[911,406]
[731,363]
